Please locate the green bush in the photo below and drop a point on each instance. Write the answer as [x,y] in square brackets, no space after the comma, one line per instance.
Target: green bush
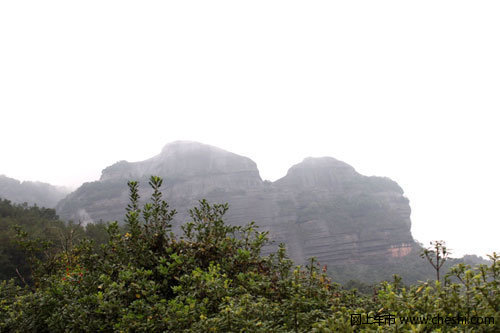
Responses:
[213,278]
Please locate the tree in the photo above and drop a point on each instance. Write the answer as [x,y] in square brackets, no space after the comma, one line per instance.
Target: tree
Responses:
[212,277]
[436,254]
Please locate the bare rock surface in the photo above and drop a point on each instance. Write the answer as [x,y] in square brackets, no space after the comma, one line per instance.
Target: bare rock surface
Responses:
[321,208]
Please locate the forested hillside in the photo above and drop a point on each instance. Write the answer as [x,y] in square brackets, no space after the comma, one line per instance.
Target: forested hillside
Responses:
[213,277]
[36,227]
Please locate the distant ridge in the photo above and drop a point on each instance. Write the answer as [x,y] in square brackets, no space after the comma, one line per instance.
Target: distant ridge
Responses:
[41,194]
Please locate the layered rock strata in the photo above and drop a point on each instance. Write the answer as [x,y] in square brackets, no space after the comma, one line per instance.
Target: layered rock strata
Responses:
[321,208]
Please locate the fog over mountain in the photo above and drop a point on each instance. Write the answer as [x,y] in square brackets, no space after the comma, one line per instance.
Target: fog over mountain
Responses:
[358,225]
[41,194]
[406,90]
[321,208]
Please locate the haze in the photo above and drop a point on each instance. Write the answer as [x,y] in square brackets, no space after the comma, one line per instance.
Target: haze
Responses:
[407,90]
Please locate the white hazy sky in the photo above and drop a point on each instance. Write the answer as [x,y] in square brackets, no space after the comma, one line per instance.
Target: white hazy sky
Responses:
[407,90]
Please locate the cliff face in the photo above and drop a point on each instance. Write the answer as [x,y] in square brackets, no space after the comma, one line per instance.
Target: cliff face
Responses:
[42,194]
[343,216]
[321,208]
[204,166]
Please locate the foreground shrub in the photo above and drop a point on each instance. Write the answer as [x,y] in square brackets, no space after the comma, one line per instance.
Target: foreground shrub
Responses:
[213,278]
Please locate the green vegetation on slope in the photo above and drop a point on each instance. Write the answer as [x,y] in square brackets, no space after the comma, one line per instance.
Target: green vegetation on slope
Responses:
[213,278]
[45,231]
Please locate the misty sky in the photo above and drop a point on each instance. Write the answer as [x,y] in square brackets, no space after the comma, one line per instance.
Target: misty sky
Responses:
[407,90]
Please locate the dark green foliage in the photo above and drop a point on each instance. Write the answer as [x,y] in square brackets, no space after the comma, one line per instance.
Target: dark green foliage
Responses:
[40,230]
[39,221]
[213,278]
[436,255]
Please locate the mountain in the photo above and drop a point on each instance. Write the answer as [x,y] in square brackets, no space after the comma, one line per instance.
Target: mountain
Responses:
[321,208]
[41,194]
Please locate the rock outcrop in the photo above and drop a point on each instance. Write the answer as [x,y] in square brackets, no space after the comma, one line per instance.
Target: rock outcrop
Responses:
[321,208]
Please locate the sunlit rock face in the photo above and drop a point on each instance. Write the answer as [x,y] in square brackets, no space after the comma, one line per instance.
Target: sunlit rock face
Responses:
[321,208]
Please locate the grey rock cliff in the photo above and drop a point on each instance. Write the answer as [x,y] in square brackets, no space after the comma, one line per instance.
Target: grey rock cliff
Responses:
[321,208]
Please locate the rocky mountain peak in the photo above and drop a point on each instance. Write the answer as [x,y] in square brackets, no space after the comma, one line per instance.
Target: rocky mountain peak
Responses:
[321,208]
[194,162]
[182,147]
[318,172]
[189,158]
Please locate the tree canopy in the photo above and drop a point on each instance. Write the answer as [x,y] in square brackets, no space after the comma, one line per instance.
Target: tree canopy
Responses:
[213,278]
